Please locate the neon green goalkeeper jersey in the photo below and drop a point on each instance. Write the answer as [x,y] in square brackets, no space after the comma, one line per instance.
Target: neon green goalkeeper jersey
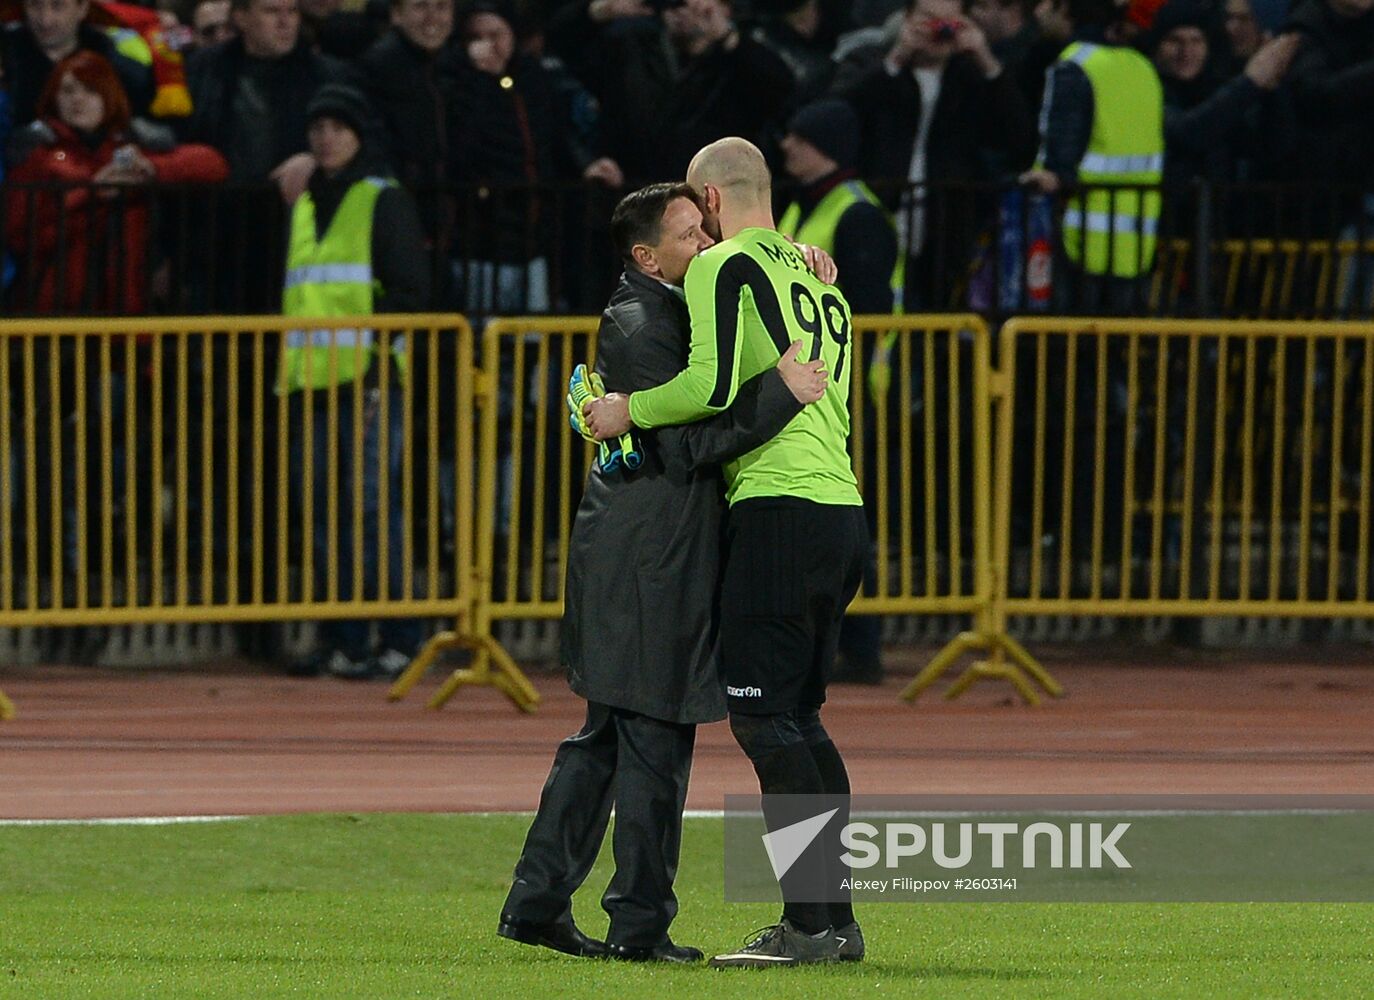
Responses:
[750,297]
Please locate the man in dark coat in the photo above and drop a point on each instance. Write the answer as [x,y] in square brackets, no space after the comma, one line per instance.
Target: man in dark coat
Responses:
[937,108]
[1333,87]
[250,94]
[29,49]
[410,76]
[671,83]
[640,621]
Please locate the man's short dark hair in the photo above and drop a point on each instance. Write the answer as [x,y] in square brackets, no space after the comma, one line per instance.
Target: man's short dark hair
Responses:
[639,216]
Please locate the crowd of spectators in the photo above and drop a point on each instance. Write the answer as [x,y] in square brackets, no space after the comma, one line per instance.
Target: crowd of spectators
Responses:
[150,156]
[473,99]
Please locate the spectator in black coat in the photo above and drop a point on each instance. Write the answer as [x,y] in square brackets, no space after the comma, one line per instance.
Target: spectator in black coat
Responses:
[249,94]
[671,83]
[793,33]
[932,109]
[513,134]
[51,31]
[1216,129]
[1333,87]
[411,77]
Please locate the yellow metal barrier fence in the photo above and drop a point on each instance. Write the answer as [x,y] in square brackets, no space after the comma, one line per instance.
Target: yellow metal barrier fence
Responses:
[923,441]
[922,451]
[1185,468]
[531,471]
[151,471]
[1265,277]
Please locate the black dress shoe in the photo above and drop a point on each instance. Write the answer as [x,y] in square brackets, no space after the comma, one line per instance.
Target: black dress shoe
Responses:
[561,935]
[665,952]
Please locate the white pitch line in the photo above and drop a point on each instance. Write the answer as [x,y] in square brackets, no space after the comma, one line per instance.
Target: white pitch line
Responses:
[121,821]
[709,814]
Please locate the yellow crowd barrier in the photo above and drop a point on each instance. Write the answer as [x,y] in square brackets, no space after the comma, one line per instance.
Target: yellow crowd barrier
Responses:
[152,471]
[1267,277]
[532,469]
[1186,468]
[921,444]
[923,440]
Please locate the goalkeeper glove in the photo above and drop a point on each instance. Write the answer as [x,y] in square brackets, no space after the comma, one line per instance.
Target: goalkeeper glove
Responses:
[583,387]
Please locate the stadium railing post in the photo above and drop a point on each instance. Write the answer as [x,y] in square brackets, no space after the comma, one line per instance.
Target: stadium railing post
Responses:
[491,666]
[1007,659]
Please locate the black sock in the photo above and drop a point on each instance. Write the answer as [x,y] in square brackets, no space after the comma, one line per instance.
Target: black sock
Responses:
[835,781]
[792,771]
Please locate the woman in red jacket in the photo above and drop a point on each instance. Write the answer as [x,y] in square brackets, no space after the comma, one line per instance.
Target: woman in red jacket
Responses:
[78,231]
[77,220]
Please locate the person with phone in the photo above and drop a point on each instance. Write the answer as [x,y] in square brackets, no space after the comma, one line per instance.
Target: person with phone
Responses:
[512,136]
[936,107]
[79,221]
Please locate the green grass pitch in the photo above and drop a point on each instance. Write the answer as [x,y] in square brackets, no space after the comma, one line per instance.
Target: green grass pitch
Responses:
[383,906]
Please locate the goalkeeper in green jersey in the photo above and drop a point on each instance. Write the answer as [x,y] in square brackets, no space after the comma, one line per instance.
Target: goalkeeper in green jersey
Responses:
[796,540]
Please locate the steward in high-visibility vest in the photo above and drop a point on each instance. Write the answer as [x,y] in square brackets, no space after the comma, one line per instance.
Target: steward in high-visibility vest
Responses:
[1103,130]
[1111,231]
[356,247]
[837,212]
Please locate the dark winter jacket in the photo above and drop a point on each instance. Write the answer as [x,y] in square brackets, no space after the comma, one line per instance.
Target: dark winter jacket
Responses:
[972,115]
[512,133]
[639,625]
[414,92]
[660,106]
[26,69]
[253,110]
[1332,80]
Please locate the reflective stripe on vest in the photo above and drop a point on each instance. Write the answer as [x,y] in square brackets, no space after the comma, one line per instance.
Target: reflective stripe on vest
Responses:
[1112,228]
[818,229]
[1105,222]
[330,276]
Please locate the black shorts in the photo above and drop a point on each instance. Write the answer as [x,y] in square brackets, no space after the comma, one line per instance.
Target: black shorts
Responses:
[791,568]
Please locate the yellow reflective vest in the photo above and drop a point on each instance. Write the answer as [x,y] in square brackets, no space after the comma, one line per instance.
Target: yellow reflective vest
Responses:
[331,276]
[1111,228]
[818,228]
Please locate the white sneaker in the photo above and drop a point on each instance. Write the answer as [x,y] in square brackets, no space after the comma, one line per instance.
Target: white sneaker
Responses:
[354,670]
[392,663]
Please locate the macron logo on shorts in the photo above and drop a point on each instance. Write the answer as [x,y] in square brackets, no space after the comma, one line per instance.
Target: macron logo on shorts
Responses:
[744,692]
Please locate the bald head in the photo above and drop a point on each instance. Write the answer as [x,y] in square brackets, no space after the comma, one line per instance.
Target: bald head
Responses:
[737,168]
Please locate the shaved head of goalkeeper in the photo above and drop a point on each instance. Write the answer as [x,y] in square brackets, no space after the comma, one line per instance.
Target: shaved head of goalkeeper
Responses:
[734,187]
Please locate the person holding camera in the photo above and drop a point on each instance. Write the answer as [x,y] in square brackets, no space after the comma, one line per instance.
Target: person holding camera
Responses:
[932,108]
[78,219]
[84,249]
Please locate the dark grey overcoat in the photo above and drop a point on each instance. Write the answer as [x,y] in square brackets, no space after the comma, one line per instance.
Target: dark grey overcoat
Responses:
[639,624]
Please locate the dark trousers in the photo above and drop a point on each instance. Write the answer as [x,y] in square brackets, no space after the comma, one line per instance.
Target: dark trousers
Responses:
[352,637]
[641,766]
